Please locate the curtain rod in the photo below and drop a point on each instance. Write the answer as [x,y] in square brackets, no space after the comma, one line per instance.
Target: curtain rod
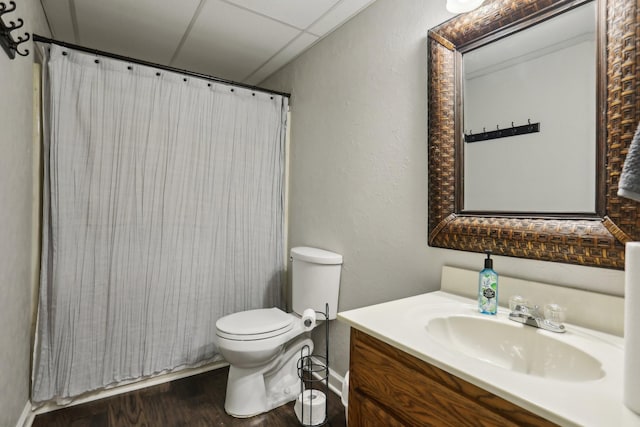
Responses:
[37,38]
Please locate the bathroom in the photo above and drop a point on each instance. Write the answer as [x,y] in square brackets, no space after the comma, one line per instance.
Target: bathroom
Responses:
[358,178]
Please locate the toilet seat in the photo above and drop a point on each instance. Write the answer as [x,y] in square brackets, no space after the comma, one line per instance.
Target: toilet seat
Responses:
[252,325]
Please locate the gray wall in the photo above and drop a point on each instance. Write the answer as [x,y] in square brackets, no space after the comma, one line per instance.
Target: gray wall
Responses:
[359,164]
[16,208]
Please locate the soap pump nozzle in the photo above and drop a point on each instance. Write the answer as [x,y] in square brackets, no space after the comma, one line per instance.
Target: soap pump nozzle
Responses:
[488,263]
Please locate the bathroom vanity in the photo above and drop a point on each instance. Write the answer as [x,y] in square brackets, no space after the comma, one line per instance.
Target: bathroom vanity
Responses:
[432,359]
[394,388]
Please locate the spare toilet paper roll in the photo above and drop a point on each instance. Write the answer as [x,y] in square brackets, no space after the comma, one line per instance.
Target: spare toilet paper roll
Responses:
[310,407]
[631,379]
[309,319]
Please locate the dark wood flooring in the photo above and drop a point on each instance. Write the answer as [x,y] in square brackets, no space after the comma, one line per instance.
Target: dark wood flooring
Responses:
[194,401]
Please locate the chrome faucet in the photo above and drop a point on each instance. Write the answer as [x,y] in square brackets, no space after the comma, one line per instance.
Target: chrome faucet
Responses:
[532,317]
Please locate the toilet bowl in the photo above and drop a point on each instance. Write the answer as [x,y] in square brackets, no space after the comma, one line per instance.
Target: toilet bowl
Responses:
[262,346]
[263,371]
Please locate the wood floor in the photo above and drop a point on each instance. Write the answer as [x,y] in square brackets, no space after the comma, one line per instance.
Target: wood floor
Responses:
[193,401]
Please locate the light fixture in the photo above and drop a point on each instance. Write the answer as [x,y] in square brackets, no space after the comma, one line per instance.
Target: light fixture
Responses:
[462,6]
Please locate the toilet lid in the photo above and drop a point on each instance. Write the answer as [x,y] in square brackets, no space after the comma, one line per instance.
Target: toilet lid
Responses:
[262,321]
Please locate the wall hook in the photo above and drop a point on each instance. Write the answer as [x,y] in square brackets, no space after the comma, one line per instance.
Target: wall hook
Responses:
[8,43]
[498,133]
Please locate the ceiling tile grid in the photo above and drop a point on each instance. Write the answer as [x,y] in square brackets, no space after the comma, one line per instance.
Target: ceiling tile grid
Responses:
[344,11]
[145,29]
[231,41]
[297,13]
[240,40]
[292,50]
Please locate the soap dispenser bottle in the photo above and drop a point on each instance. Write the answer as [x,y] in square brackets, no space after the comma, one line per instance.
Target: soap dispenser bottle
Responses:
[488,288]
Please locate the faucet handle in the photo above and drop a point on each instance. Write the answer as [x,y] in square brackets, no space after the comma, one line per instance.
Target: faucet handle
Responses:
[518,303]
[522,309]
[532,311]
[555,313]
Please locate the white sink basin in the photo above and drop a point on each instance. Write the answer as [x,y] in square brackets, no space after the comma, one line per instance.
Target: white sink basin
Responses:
[514,346]
[573,379]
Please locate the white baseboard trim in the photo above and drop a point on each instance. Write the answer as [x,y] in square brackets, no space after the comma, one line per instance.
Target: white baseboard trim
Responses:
[27,416]
[126,388]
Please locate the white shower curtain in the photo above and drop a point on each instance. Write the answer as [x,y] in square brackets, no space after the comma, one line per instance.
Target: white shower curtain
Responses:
[163,211]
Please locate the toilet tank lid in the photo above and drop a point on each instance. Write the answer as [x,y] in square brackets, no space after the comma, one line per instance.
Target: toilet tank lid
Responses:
[315,255]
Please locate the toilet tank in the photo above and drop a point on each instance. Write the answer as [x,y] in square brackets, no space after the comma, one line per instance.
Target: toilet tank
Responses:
[315,280]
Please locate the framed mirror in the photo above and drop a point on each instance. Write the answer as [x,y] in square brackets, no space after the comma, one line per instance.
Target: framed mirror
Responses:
[593,237]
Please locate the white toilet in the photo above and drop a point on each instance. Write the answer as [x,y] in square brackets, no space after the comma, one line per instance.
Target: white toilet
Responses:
[263,346]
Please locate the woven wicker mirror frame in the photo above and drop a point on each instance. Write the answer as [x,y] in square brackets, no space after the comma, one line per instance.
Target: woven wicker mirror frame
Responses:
[596,240]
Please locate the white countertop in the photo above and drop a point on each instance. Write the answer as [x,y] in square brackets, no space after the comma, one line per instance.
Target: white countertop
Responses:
[403,324]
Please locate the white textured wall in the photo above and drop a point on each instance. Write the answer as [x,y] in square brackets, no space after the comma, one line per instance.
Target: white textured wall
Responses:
[359,164]
[16,204]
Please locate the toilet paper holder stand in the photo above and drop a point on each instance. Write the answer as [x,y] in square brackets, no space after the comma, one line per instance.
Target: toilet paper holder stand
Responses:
[313,371]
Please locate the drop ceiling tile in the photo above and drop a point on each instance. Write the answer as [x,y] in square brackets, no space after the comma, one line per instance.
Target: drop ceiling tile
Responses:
[145,29]
[59,18]
[230,42]
[296,47]
[298,13]
[337,16]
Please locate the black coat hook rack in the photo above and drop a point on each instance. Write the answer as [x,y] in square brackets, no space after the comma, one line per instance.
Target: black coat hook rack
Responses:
[8,43]
[502,133]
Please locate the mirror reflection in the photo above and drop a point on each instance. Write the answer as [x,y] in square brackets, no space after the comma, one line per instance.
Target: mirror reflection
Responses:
[545,74]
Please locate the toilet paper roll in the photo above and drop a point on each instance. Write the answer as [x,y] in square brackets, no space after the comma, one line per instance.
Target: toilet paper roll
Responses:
[631,381]
[310,407]
[309,319]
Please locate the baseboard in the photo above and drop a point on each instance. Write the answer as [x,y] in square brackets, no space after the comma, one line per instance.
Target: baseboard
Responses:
[127,388]
[27,416]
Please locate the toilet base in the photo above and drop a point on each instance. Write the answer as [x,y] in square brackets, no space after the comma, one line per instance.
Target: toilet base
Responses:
[253,391]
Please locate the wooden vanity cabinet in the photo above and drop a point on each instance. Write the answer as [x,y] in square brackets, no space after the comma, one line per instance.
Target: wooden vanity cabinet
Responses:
[388,387]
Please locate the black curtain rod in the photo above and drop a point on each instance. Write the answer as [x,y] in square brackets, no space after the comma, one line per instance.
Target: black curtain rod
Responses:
[37,38]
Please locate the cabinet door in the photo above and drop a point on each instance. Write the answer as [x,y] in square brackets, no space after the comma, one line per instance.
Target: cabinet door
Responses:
[412,392]
[368,413]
